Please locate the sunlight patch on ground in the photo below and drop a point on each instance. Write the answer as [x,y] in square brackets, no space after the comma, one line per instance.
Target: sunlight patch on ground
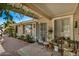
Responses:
[1,49]
[33,50]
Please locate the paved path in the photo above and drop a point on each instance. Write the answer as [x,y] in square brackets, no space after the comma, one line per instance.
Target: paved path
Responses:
[15,47]
[10,46]
[34,49]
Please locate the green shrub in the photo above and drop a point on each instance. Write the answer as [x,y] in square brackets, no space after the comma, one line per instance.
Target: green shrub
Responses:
[18,37]
[11,31]
[22,37]
[29,39]
[14,34]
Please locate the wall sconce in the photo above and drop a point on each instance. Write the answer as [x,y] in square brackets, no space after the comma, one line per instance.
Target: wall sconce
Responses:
[76,24]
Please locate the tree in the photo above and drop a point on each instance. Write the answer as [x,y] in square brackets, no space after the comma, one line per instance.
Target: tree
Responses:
[9,26]
[1,27]
[6,8]
[13,7]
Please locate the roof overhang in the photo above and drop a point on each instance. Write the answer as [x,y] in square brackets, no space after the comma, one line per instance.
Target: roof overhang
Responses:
[47,10]
[50,10]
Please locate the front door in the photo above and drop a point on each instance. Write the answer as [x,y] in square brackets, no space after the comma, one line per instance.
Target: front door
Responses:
[43,31]
[63,27]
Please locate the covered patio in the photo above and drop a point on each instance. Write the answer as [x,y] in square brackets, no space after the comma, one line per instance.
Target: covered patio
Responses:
[55,24]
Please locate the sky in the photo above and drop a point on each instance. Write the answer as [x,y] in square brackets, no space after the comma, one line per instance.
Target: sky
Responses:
[16,17]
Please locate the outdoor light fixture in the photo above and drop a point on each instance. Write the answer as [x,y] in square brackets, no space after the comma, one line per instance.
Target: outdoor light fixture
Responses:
[76,25]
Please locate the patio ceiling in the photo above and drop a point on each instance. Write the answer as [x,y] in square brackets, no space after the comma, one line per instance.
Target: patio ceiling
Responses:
[51,10]
[48,10]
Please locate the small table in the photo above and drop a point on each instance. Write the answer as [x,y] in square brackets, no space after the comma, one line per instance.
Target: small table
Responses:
[46,44]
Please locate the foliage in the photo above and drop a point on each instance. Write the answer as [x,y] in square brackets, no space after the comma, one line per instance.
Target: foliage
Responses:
[9,7]
[6,8]
[18,37]
[9,27]
[26,38]
[22,37]
[1,26]
[14,33]
[10,31]
[29,39]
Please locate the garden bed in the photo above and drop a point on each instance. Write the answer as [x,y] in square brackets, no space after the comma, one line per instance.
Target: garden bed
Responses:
[26,38]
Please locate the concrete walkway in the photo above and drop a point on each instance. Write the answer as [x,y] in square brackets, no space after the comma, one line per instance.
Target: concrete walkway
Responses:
[11,45]
[15,47]
[34,50]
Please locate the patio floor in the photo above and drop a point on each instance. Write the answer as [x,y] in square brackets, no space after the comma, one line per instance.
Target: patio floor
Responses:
[15,47]
[34,50]
[10,45]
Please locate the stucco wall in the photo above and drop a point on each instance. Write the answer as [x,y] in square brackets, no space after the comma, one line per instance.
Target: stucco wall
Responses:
[48,21]
[76,18]
[20,30]
[40,20]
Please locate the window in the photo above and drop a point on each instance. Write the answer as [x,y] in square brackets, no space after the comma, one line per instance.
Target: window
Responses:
[28,29]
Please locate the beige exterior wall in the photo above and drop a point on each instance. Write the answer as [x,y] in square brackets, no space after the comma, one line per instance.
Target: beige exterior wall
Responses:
[76,18]
[41,20]
[48,21]
[34,30]
[20,30]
